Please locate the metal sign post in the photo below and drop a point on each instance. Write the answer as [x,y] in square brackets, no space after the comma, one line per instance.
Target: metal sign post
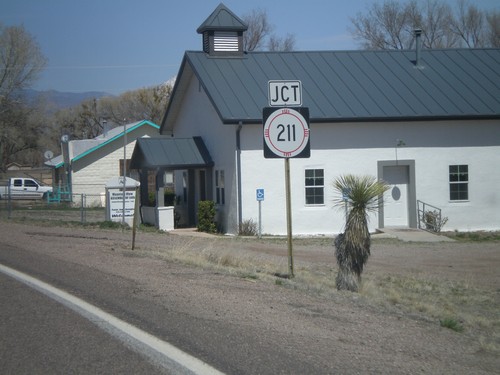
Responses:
[286,135]
[260,198]
[289,216]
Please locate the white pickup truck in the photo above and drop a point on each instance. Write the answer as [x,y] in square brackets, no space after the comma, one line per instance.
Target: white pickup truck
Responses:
[24,188]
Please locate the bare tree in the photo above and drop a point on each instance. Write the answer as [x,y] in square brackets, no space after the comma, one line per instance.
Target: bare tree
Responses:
[385,26]
[493,29]
[258,29]
[390,25]
[433,18]
[469,25]
[21,60]
[20,63]
[260,34]
[284,44]
[142,104]
[85,121]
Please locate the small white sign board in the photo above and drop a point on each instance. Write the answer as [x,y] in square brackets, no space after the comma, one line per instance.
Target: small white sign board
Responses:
[285,93]
[116,204]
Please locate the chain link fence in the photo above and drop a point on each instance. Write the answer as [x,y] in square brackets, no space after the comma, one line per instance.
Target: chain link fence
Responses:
[83,208]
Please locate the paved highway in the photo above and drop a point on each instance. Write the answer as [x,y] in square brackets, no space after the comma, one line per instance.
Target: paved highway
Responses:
[47,330]
[40,335]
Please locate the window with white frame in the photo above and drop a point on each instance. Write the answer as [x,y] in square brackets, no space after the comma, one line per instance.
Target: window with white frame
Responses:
[314,186]
[459,182]
[219,187]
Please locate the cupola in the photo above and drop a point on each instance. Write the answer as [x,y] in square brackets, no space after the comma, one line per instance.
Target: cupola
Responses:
[222,33]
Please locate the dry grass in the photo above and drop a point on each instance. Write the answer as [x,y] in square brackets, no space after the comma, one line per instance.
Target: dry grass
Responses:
[456,305]
[449,304]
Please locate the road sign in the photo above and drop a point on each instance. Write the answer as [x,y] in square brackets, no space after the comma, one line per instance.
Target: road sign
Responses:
[285,93]
[260,194]
[286,132]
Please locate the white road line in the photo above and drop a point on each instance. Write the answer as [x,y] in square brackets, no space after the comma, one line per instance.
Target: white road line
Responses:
[142,341]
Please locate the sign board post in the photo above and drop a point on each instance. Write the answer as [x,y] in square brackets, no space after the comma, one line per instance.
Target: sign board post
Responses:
[260,198]
[120,200]
[288,194]
[286,135]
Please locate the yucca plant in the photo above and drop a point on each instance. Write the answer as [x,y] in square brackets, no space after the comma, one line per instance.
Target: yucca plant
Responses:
[352,247]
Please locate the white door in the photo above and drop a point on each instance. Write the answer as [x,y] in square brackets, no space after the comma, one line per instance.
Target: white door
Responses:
[396,198]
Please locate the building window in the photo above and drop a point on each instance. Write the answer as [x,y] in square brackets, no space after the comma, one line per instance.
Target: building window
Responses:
[459,182]
[184,187]
[315,186]
[219,187]
[127,166]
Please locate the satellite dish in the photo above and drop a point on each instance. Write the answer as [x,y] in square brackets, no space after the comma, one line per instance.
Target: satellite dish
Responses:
[65,138]
[48,154]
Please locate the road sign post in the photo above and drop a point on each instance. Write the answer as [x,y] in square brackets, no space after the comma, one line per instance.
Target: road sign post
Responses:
[286,135]
[289,217]
[260,198]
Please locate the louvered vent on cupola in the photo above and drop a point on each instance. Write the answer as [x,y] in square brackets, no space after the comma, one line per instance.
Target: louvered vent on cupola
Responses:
[222,33]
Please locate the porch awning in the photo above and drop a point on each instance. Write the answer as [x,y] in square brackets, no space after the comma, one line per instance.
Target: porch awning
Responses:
[170,153]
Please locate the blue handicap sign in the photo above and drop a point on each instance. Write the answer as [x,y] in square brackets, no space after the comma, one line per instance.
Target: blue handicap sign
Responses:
[260,194]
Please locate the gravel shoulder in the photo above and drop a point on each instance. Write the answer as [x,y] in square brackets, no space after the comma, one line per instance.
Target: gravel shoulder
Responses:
[325,331]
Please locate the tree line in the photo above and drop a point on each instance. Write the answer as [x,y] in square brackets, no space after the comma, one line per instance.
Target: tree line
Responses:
[391,24]
[27,129]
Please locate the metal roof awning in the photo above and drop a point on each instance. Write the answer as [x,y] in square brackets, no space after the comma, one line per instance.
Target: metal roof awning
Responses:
[170,153]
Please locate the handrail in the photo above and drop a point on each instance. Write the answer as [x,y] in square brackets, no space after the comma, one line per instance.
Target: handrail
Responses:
[429,217]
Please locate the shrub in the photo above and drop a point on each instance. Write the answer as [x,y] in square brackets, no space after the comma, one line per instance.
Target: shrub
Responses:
[452,324]
[433,221]
[111,225]
[206,217]
[248,228]
[169,198]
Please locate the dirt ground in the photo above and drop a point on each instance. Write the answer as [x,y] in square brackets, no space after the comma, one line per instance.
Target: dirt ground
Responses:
[416,342]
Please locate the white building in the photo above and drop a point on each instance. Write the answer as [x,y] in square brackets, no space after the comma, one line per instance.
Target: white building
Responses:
[425,121]
[92,163]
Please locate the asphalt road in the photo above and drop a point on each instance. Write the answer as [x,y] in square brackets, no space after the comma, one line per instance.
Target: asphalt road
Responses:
[41,336]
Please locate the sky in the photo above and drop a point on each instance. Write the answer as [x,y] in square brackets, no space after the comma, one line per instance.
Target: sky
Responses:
[115,46]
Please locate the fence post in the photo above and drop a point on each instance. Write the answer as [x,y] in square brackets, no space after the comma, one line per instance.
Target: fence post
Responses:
[9,203]
[81,208]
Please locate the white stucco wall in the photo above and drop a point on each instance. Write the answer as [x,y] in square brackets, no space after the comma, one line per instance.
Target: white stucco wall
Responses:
[356,148]
[197,117]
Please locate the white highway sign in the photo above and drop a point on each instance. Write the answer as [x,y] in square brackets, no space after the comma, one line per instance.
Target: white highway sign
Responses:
[285,93]
[286,133]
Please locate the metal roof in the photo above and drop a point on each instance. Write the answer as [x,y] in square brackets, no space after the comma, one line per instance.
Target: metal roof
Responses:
[222,19]
[82,147]
[350,85]
[173,153]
